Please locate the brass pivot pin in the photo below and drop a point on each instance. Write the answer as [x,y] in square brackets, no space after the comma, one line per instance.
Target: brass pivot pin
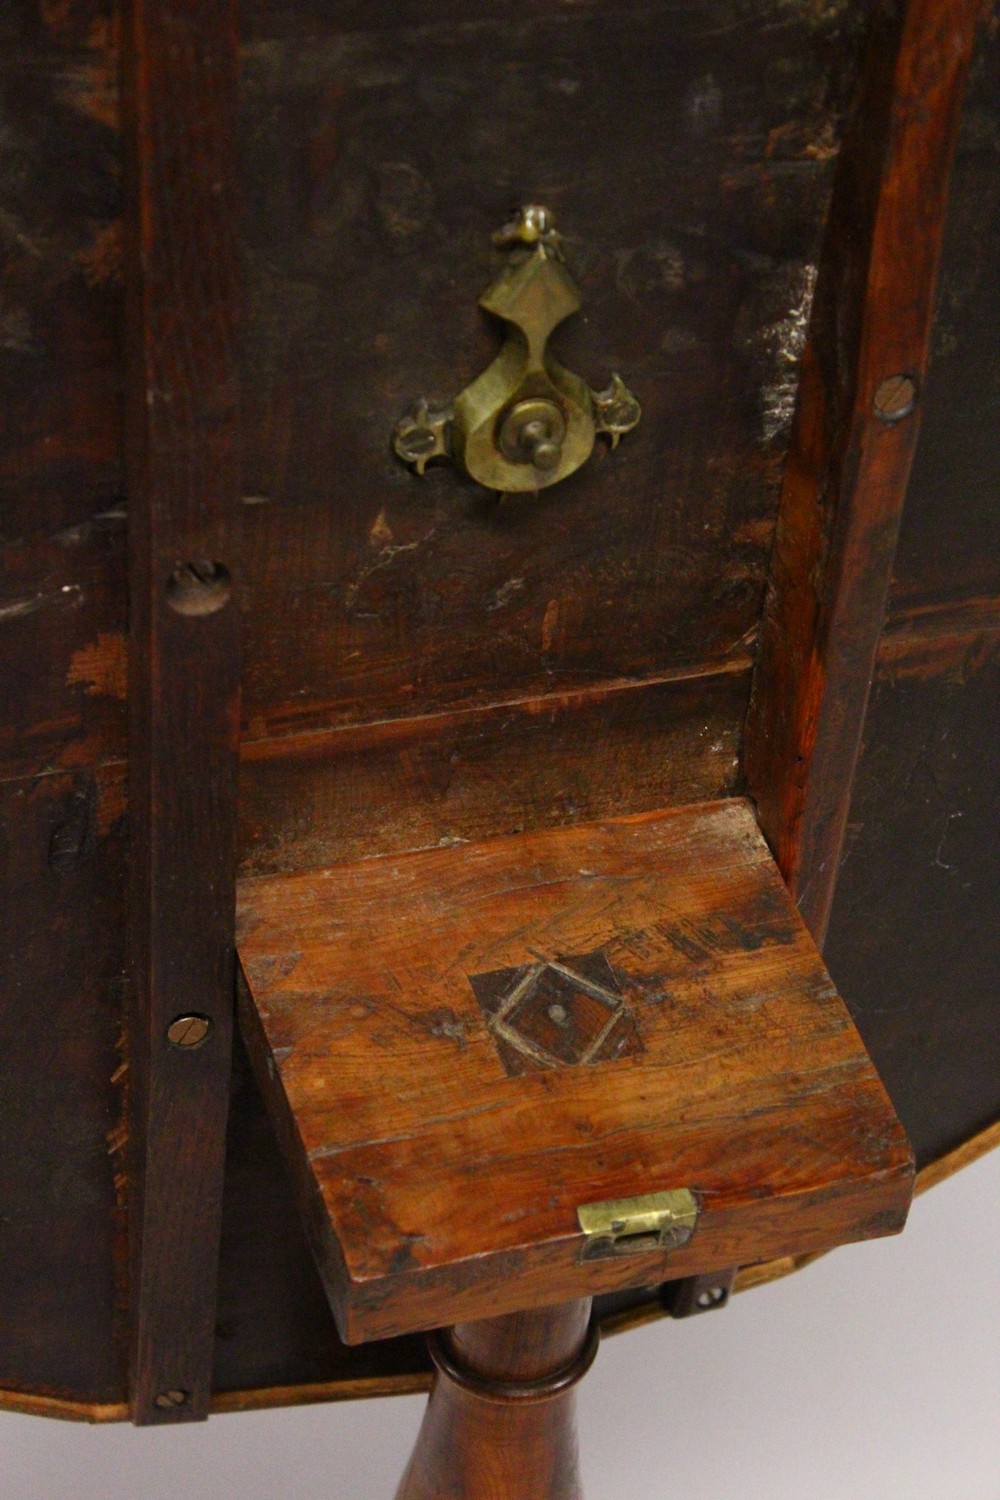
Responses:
[526,422]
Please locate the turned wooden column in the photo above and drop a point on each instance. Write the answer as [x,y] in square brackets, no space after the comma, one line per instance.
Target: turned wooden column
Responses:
[501,1421]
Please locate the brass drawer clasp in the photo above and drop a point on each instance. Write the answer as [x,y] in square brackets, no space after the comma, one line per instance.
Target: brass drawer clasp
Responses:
[625,1226]
[526,422]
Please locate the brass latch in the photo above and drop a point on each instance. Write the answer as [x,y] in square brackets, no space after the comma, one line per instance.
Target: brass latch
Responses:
[624,1226]
[526,422]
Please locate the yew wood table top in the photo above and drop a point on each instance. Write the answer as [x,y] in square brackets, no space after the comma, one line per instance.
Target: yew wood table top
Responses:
[461,1047]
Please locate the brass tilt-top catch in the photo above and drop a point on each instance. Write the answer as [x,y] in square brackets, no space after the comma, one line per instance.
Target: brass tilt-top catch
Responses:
[526,422]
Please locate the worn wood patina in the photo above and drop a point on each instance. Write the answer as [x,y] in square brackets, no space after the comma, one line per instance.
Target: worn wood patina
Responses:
[460,1048]
[423,665]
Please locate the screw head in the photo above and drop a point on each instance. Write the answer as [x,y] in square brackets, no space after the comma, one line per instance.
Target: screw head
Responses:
[712,1296]
[418,442]
[422,434]
[895,398]
[188,1031]
[530,225]
[170,1400]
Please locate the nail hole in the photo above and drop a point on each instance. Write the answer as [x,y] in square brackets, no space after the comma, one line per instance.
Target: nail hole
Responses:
[188,1031]
[198,588]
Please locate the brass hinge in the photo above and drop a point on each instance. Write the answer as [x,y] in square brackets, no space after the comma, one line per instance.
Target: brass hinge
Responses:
[624,1226]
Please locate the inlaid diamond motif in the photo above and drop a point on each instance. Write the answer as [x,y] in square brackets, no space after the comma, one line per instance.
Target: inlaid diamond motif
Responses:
[559,1012]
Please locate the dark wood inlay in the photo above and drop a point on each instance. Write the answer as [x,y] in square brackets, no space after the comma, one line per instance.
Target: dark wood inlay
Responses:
[560,1012]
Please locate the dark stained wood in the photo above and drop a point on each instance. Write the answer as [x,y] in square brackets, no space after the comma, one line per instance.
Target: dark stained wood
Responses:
[183,680]
[64,683]
[913,937]
[321,784]
[939,641]
[310,20]
[60,265]
[62,596]
[310,799]
[717,285]
[910,942]
[949,542]
[847,470]
[690,169]
[62,874]
[913,941]
[372,988]
[479,1441]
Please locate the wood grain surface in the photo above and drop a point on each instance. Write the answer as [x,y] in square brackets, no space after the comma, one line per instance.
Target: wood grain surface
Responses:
[477,1440]
[690,170]
[539,762]
[437,1186]
[913,935]
[923,858]
[62,846]
[635,1311]
[62,542]
[847,470]
[917,894]
[183,483]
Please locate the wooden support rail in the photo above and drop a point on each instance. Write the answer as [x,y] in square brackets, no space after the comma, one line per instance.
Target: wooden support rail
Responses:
[183,484]
[853,441]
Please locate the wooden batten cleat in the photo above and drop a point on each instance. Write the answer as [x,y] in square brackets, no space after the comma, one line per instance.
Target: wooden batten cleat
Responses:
[513,1073]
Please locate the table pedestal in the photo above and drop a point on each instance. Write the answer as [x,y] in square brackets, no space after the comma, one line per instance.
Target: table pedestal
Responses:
[501,1421]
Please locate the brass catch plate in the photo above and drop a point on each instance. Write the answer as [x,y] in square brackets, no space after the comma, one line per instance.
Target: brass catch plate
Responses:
[625,1226]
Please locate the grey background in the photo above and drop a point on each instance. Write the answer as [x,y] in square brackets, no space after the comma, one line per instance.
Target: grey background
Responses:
[872,1375]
